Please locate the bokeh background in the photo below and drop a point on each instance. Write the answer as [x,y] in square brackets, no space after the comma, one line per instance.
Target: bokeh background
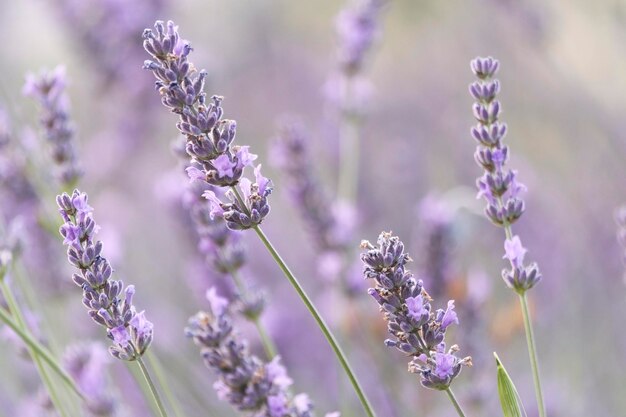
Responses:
[563,67]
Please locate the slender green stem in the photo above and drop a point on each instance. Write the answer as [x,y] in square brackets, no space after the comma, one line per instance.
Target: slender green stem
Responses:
[153,390]
[456,404]
[160,377]
[530,338]
[21,323]
[266,340]
[320,322]
[347,187]
[532,353]
[41,351]
[145,389]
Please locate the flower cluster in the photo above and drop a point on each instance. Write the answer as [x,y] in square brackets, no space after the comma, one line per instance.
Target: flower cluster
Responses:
[498,185]
[214,158]
[221,248]
[86,364]
[130,331]
[416,329]
[48,88]
[244,380]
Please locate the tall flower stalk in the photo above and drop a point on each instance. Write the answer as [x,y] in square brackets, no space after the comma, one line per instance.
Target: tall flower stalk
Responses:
[357,27]
[416,330]
[502,192]
[130,332]
[217,161]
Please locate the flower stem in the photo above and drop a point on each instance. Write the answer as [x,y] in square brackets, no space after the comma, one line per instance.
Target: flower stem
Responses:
[320,322]
[268,344]
[41,351]
[456,404]
[21,324]
[153,390]
[349,122]
[528,327]
[160,377]
[532,353]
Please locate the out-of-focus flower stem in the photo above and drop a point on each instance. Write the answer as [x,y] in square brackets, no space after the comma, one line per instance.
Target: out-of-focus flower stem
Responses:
[349,129]
[30,341]
[35,355]
[532,353]
[456,404]
[152,387]
[320,322]
[266,340]
[530,338]
[155,363]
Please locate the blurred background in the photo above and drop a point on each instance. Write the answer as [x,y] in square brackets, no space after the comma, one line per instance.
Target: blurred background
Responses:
[563,67]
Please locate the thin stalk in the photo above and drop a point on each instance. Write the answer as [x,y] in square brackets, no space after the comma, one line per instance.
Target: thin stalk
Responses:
[153,390]
[144,388]
[530,338]
[349,124]
[41,351]
[532,353]
[266,340]
[456,404]
[320,321]
[160,377]
[37,360]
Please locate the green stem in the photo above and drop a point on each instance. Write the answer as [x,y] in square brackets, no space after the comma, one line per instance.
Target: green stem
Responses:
[153,390]
[21,323]
[456,404]
[41,351]
[320,322]
[268,344]
[347,186]
[160,377]
[532,353]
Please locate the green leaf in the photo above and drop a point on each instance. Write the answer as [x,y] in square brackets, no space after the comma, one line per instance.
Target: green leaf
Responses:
[509,398]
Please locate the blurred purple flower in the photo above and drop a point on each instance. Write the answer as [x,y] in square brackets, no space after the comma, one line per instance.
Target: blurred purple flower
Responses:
[48,89]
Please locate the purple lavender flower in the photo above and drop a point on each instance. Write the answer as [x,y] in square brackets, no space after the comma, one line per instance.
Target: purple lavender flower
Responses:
[130,332]
[87,364]
[214,158]
[249,210]
[358,28]
[244,380]
[498,185]
[48,89]
[405,304]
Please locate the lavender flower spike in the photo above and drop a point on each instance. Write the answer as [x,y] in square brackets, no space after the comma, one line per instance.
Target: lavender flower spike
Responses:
[500,188]
[243,379]
[48,88]
[129,330]
[416,330]
[498,185]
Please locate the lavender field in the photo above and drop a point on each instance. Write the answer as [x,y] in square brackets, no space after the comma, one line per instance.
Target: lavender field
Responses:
[278,208]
